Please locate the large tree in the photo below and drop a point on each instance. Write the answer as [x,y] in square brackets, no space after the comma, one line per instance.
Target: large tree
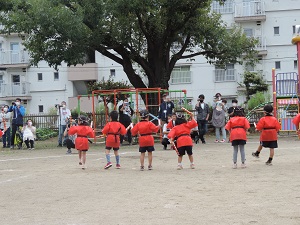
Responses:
[150,34]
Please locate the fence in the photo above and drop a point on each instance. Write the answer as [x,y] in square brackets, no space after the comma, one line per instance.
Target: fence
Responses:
[52,121]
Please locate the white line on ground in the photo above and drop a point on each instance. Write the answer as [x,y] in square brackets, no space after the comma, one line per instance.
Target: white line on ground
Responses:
[55,156]
[13,179]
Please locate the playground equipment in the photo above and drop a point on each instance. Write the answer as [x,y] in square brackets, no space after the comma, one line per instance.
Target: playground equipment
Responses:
[285,98]
[286,93]
[140,98]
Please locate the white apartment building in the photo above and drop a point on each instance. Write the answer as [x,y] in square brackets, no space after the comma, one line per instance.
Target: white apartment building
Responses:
[271,21]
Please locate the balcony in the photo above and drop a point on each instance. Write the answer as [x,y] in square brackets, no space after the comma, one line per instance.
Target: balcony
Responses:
[84,72]
[14,59]
[261,47]
[250,11]
[12,90]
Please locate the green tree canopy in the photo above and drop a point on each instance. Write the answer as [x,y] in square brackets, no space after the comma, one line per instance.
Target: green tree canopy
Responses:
[152,34]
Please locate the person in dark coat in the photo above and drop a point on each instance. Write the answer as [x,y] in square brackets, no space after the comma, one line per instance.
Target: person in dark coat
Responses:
[126,113]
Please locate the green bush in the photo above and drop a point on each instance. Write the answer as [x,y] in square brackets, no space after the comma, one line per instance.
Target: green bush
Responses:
[45,133]
[256,100]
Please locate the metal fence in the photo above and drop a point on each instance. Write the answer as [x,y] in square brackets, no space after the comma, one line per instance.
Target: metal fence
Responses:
[52,121]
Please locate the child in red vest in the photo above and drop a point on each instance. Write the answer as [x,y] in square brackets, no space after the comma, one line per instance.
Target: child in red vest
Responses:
[146,141]
[269,126]
[296,121]
[81,141]
[182,131]
[238,126]
[113,130]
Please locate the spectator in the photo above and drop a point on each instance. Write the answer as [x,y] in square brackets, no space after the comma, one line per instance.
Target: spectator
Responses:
[5,119]
[232,108]
[218,119]
[202,117]
[17,119]
[29,136]
[64,114]
[126,113]
[70,141]
[165,108]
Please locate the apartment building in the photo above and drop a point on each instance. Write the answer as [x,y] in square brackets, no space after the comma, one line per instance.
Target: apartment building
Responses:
[273,22]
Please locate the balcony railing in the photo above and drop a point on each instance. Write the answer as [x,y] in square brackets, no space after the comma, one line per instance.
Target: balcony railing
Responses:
[14,89]
[14,57]
[262,43]
[250,9]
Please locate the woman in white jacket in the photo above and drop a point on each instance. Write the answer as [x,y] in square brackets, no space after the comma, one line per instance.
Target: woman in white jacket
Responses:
[29,132]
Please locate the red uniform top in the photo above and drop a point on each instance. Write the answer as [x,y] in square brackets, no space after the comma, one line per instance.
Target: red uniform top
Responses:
[81,141]
[113,130]
[296,120]
[182,132]
[145,129]
[269,126]
[171,124]
[237,126]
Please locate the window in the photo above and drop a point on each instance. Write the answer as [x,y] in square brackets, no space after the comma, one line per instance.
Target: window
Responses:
[277,65]
[181,75]
[295,64]
[56,75]
[0,46]
[225,7]
[294,29]
[41,108]
[249,68]
[112,73]
[40,76]
[15,52]
[276,30]
[227,74]
[248,32]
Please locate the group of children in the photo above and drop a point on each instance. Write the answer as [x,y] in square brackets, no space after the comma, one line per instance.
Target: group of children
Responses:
[179,129]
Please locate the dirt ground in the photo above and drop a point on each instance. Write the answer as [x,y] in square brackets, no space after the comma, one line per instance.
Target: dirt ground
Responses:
[46,186]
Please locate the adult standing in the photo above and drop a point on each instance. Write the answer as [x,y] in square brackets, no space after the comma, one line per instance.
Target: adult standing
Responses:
[202,117]
[219,118]
[165,108]
[17,119]
[126,113]
[5,119]
[64,114]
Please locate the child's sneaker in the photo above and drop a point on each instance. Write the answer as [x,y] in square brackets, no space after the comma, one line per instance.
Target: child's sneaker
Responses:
[108,165]
[179,167]
[243,165]
[269,162]
[254,154]
[80,163]
[234,166]
[118,166]
[83,166]
[217,141]
[150,167]
[192,166]
[223,140]
[142,168]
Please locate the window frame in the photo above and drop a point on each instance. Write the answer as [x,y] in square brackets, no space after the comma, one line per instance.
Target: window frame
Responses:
[187,79]
[54,74]
[274,30]
[40,77]
[277,65]
[41,108]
